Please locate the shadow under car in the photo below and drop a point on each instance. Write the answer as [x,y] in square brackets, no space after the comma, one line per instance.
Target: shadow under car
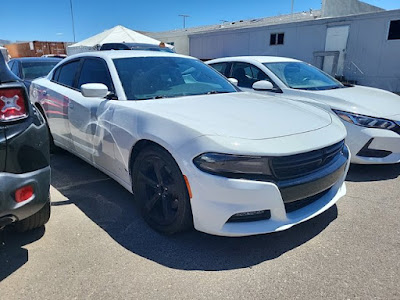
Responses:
[113,209]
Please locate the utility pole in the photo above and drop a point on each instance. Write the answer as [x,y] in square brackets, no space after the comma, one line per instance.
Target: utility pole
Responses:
[72,17]
[184,19]
[291,11]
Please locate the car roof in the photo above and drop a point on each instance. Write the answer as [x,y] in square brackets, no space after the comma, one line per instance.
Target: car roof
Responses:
[260,59]
[113,54]
[35,59]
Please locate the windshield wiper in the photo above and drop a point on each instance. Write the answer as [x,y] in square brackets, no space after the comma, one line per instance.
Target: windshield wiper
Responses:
[160,97]
[321,88]
[216,92]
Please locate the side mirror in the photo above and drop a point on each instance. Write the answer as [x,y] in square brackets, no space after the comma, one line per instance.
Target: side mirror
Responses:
[233,81]
[262,85]
[97,90]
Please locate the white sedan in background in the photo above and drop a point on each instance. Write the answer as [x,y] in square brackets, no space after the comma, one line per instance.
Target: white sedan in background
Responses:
[371,116]
[192,148]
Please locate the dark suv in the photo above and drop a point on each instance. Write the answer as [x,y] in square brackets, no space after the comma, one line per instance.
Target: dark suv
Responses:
[24,157]
[134,46]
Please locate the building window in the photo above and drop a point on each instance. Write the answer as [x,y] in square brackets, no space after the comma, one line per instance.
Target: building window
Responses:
[276,39]
[394,30]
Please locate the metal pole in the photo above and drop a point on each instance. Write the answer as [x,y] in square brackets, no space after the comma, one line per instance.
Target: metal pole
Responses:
[291,11]
[72,17]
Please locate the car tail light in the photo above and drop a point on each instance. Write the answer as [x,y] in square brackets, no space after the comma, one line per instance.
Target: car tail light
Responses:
[12,104]
[24,193]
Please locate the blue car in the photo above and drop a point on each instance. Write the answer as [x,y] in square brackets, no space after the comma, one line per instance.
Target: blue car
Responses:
[30,68]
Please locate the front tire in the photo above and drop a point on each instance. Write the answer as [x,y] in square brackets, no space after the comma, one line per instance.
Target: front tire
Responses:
[160,188]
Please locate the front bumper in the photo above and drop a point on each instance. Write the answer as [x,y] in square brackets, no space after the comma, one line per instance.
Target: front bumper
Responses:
[9,183]
[216,199]
[361,138]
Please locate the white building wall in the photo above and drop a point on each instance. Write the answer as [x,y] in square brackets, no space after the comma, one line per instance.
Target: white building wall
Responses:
[370,58]
[300,40]
[180,41]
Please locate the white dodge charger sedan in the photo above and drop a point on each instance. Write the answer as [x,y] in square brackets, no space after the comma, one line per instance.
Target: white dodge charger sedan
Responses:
[192,148]
[371,116]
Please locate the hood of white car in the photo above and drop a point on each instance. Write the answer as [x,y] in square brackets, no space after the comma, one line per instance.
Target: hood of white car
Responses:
[357,99]
[239,115]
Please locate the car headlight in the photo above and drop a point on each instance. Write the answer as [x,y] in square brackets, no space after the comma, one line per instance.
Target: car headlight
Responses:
[366,121]
[235,166]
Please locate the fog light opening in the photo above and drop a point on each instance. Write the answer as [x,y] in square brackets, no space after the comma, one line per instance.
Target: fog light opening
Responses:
[251,216]
[373,153]
[24,193]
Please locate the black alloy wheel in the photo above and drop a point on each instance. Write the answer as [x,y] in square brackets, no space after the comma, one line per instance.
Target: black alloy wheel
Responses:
[160,188]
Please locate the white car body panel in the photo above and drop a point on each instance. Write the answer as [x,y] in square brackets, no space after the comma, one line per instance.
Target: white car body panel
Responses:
[104,133]
[357,99]
[59,100]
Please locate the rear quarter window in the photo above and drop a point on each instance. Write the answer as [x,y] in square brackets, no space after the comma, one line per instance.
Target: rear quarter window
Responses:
[222,68]
[67,73]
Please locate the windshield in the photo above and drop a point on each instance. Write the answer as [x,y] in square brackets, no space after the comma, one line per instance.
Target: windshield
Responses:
[32,70]
[299,75]
[165,77]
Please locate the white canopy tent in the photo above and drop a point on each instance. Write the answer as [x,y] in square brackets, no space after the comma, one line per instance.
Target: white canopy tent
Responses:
[117,34]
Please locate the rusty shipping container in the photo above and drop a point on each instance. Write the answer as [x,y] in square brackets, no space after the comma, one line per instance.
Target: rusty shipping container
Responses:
[35,49]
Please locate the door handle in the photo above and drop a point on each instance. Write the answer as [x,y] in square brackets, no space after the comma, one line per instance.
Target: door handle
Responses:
[71,105]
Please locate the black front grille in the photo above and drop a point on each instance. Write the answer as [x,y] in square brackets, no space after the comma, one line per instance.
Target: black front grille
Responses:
[295,205]
[293,166]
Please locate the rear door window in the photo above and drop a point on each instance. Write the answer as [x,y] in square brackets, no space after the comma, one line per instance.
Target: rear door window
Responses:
[243,74]
[56,74]
[247,74]
[223,68]
[67,74]
[95,70]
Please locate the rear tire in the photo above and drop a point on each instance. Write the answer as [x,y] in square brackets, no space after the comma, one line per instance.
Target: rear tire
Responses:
[53,147]
[35,221]
[160,188]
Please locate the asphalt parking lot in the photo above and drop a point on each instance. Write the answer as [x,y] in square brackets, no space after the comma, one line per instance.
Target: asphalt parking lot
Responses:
[96,246]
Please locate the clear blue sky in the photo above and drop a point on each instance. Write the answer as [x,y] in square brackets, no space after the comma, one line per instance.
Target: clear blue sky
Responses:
[51,19]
